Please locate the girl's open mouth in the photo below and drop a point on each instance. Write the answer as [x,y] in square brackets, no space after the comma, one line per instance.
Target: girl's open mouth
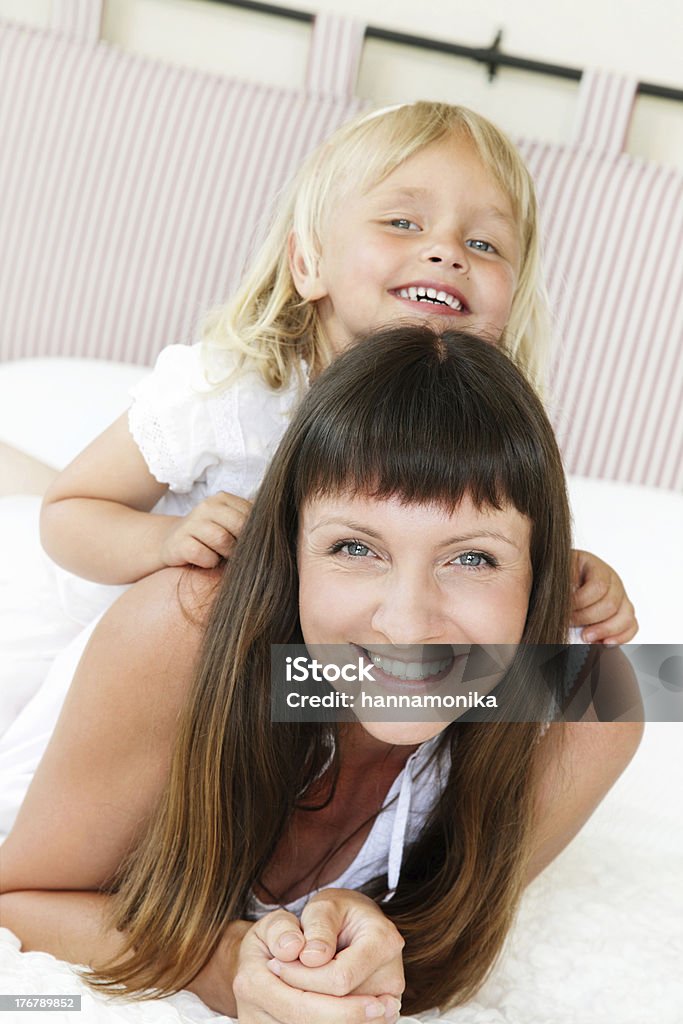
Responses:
[432,299]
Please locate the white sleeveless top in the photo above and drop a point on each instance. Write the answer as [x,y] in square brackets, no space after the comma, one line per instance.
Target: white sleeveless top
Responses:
[404,812]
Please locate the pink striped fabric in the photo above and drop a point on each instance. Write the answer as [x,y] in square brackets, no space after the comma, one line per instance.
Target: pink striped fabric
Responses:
[79,19]
[334,57]
[132,192]
[604,111]
[613,229]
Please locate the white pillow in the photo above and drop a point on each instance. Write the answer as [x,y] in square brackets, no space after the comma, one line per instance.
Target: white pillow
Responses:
[52,408]
[638,530]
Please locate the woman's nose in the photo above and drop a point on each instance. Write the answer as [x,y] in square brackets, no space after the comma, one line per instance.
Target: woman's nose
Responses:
[410,612]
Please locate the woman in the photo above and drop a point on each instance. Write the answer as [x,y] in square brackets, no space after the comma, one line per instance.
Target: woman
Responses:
[417,498]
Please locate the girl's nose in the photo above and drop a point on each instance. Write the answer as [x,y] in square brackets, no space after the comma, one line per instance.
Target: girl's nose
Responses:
[410,612]
[449,254]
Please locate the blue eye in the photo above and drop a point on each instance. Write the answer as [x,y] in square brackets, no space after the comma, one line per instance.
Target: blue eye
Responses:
[475,560]
[351,548]
[480,245]
[357,550]
[404,223]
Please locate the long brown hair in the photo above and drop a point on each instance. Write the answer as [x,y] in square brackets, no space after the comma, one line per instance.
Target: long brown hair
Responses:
[429,417]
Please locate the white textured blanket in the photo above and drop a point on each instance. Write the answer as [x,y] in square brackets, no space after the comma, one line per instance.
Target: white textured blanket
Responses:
[599,939]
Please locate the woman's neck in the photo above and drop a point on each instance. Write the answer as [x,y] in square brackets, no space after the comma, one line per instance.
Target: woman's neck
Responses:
[360,750]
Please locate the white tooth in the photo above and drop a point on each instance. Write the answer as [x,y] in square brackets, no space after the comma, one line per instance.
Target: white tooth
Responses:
[413,293]
[404,293]
[412,670]
[431,293]
[422,292]
[442,297]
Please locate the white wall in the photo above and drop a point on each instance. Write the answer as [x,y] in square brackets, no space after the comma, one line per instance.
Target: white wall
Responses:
[630,36]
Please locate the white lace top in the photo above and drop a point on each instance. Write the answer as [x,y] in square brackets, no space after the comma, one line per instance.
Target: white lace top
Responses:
[198,439]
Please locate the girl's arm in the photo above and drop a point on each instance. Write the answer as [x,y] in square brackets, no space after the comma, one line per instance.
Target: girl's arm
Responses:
[96,520]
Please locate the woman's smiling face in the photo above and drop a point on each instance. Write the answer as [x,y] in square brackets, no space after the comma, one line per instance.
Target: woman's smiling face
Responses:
[374,572]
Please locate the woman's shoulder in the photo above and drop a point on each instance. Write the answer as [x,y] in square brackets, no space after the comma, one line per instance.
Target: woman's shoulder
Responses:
[106,765]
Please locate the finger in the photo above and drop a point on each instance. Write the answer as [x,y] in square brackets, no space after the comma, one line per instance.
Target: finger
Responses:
[264,991]
[215,536]
[233,501]
[193,552]
[601,611]
[371,965]
[337,980]
[618,629]
[321,922]
[282,934]
[218,522]
[589,593]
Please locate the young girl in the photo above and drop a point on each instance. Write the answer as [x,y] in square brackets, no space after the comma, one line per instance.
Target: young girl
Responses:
[424,212]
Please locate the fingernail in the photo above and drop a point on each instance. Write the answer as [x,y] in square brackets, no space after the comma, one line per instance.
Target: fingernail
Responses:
[315,946]
[288,939]
[275,966]
[374,1010]
[589,637]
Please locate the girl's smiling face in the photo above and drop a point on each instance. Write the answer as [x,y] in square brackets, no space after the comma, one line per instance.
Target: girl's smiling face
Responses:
[374,572]
[435,239]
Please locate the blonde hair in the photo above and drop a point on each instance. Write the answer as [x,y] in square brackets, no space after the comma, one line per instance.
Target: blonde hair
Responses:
[270,327]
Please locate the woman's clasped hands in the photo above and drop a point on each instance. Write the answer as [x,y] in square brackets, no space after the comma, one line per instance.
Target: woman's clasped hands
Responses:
[341,963]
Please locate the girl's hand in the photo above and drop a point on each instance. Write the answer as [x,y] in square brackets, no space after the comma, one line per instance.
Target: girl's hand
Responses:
[600,602]
[348,947]
[208,533]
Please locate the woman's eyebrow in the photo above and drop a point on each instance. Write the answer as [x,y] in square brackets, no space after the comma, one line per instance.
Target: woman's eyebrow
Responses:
[348,524]
[468,538]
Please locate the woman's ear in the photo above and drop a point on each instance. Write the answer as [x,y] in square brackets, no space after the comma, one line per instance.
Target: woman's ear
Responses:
[308,282]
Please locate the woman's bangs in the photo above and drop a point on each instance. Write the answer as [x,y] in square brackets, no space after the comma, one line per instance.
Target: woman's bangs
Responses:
[428,432]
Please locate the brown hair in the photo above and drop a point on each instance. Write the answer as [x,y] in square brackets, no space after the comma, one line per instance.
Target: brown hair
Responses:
[427,417]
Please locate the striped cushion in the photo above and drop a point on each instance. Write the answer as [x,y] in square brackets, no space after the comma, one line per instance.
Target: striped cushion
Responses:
[613,227]
[131,191]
